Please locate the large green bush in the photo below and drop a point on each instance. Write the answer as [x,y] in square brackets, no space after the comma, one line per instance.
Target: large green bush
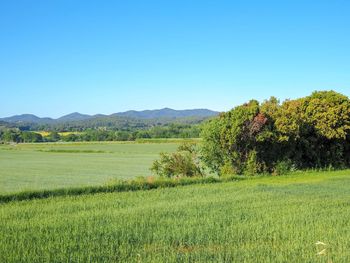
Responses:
[255,138]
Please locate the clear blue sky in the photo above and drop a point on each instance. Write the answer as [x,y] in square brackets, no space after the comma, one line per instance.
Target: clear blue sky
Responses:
[58,57]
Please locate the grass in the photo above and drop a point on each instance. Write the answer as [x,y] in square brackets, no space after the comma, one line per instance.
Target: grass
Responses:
[59,165]
[137,184]
[265,219]
[75,202]
[71,151]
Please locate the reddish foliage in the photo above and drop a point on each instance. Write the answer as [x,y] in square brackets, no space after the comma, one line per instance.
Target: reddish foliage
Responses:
[258,122]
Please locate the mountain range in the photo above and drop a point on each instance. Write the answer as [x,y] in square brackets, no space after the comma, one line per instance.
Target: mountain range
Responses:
[165,113]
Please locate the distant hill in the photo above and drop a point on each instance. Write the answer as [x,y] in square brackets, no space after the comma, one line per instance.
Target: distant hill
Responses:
[75,116]
[26,118]
[165,113]
[5,124]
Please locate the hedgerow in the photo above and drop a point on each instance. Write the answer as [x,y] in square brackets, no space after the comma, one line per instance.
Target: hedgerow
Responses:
[273,137]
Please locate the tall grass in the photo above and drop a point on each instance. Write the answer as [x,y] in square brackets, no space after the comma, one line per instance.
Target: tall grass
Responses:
[267,219]
[141,183]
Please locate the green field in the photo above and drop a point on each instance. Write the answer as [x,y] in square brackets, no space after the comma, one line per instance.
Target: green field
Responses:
[48,166]
[259,219]
[267,219]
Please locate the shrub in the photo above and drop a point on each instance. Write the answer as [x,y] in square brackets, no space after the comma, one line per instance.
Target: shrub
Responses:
[183,163]
[252,167]
[227,169]
[283,167]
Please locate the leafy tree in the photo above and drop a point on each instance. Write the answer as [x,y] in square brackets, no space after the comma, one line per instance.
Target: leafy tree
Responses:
[71,138]
[329,113]
[27,136]
[12,135]
[211,151]
[53,137]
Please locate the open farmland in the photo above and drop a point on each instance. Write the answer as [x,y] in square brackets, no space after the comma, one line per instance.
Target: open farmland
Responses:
[266,219]
[56,165]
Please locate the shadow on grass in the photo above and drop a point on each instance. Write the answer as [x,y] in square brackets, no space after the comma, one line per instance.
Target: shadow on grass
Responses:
[138,184]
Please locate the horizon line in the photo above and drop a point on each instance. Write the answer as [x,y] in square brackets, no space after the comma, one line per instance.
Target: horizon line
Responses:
[92,115]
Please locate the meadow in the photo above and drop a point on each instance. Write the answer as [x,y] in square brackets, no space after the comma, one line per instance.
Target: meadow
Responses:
[303,217]
[56,165]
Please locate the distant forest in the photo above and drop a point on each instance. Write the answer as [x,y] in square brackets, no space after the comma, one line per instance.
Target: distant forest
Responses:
[110,128]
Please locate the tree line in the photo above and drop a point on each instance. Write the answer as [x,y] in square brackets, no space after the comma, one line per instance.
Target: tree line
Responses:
[110,123]
[172,130]
[269,137]
[309,132]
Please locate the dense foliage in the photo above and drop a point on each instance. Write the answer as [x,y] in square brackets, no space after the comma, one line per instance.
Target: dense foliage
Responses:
[252,138]
[168,131]
[172,130]
[110,123]
[182,163]
[17,136]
